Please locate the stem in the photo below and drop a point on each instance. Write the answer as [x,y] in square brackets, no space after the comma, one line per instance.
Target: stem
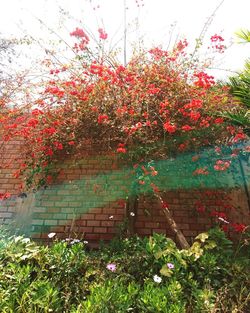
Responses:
[179,235]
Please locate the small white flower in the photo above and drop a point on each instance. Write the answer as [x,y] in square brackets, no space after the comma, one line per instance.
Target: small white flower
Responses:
[111,217]
[51,235]
[85,242]
[132,214]
[26,240]
[74,241]
[157,279]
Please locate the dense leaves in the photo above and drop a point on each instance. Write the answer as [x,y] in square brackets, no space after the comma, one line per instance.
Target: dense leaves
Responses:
[131,275]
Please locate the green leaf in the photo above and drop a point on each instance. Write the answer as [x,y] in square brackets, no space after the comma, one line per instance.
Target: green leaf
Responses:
[210,245]
[202,237]
[159,254]
[165,271]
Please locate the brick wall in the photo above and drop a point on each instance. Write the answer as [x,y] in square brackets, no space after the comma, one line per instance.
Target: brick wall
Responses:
[88,199]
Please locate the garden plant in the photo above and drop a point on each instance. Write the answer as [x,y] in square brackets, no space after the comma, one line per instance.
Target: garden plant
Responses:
[160,105]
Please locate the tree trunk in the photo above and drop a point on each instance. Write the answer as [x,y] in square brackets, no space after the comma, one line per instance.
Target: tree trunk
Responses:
[179,235]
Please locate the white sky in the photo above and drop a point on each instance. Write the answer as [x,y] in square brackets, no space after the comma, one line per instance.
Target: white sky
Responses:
[156,19]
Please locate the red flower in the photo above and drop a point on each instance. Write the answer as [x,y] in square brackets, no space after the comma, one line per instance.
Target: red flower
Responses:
[216,38]
[195,116]
[79,33]
[186,128]
[141,182]
[218,214]
[222,165]
[58,145]
[218,120]
[49,179]
[102,34]
[182,147]
[121,150]
[32,122]
[201,171]
[204,80]
[48,151]
[102,118]
[170,128]
[225,228]
[239,228]
[49,131]
[36,112]
[194,104]
[4,196]
[239,136]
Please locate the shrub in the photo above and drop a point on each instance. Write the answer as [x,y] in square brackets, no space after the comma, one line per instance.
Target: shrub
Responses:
[128,275]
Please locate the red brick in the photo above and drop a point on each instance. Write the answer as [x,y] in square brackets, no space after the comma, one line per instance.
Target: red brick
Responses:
[80,222]
[102,217]
[151,225]
[119,218]
[106,236]
[100,229]
[92,236]
[86,229]
[88,216]
[159,230]
[180,213]
[107,223]
[59,229]
[93,223]
[143,231]
[97,211]
[112,230]
[120,211]
[139,224]
[196,226]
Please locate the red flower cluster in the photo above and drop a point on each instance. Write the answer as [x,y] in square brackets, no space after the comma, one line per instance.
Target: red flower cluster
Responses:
[218,214]
[102,118]
[84,39]
[170,128]
[102,34]
[121,148]
[79,33]
[4,196]
[218,46]
[216,38]
[239,228]
[201,171]
[222,165]
[203,80]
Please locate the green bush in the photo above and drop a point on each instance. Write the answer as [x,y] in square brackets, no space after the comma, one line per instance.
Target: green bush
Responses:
[128,275]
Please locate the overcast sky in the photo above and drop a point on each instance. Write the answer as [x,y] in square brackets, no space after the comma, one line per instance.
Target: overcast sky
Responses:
[153,20]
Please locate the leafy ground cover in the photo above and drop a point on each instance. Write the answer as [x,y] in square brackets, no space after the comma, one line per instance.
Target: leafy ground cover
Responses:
[128,275]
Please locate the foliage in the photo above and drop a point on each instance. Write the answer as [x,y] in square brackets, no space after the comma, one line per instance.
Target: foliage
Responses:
[131,275]
[240,88]
[161,100]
